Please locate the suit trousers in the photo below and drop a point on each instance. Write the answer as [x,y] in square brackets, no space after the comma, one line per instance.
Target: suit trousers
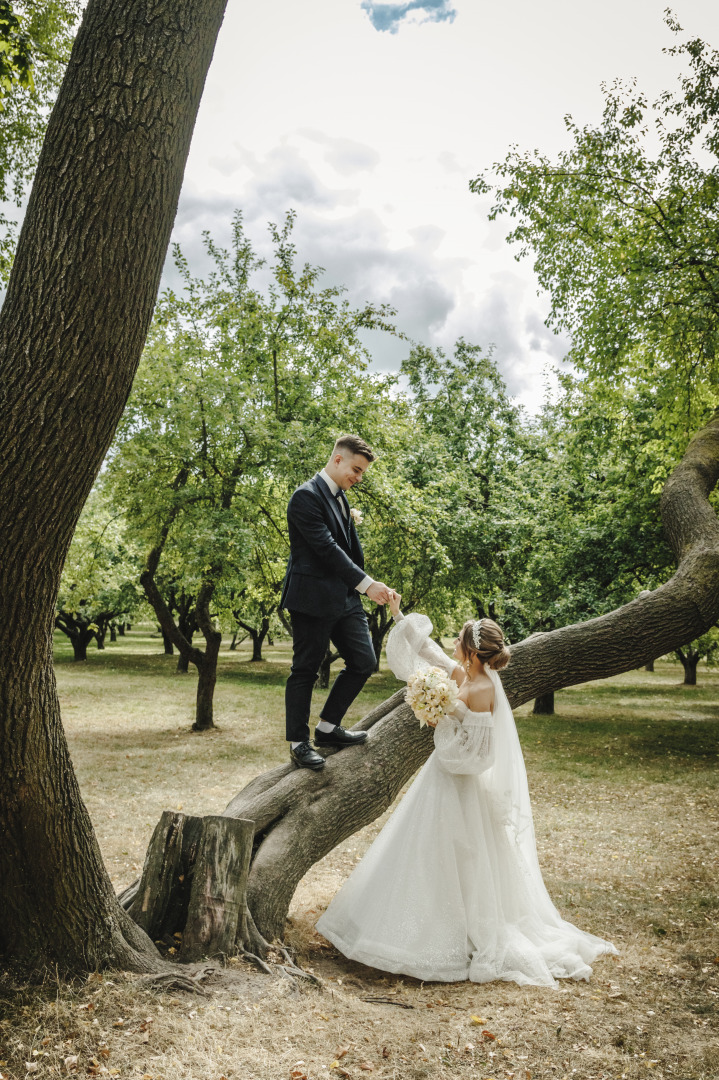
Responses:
[311,636]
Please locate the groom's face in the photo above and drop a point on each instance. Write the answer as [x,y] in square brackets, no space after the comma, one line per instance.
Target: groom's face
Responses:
[348,470]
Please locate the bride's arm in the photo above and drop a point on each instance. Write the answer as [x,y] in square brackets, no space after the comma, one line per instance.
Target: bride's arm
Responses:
[430,651]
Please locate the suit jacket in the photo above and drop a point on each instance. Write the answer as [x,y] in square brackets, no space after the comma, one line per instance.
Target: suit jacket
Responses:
[326,560]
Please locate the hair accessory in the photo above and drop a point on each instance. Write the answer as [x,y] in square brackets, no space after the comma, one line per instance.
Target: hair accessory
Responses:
[477,634]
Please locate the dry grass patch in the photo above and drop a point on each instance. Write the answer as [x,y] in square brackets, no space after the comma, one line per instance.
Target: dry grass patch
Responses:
[624,788]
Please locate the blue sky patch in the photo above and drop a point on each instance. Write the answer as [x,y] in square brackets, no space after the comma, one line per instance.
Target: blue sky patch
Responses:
[388,16]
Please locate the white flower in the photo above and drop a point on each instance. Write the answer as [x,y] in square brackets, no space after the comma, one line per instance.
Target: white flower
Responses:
[356,515]
[430,694]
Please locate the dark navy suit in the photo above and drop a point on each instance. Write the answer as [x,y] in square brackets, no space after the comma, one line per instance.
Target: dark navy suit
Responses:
[325,566]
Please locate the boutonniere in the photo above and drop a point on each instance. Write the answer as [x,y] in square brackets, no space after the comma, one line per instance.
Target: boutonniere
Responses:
[356,515]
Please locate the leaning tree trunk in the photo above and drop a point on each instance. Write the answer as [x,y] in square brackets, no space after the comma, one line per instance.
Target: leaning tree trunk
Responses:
[301,815]
[689,660]
[73,324]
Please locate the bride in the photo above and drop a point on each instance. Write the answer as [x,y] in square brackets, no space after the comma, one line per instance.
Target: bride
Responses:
[451,888]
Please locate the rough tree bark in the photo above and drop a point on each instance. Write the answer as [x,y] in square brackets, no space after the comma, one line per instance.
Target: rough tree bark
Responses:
[77,310]
[300,815]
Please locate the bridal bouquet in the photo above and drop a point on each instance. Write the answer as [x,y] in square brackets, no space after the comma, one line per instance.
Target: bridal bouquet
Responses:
[430,694]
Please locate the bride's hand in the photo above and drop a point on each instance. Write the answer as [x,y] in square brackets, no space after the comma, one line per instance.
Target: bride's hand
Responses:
[394,601]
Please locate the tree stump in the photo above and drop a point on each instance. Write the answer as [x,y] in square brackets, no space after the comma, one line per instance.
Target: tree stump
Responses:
[194,883]
[216,912]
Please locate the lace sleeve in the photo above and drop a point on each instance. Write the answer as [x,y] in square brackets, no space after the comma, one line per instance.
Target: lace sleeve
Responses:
[464,741]
[409,647]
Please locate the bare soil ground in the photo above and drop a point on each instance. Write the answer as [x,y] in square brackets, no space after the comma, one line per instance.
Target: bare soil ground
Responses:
[624,788]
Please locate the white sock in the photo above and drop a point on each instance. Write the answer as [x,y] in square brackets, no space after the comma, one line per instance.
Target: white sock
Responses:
[294,745]
[323,725]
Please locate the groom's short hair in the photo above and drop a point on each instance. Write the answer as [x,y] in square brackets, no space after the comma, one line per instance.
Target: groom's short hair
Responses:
[355,445]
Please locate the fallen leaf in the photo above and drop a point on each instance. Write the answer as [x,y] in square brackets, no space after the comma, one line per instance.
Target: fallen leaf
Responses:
[488,1035]
[45,1041]
[119,1023]
[145,1037]
[385,1052]
[366,1066]
[70,1063]
[341,1051]
[478,1020]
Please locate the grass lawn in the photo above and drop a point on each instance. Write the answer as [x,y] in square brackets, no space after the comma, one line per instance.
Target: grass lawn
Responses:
[624,787]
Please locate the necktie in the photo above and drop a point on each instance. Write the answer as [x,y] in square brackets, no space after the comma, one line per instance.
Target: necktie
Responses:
[342,506]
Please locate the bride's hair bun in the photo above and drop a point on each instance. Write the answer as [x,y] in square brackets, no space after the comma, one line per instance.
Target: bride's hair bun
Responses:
[485,639]
[499,659]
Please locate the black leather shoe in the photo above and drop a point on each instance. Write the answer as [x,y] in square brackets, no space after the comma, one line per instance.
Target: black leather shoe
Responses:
[304,756]
[339,737]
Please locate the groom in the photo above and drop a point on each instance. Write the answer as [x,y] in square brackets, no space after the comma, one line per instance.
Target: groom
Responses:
[325,576]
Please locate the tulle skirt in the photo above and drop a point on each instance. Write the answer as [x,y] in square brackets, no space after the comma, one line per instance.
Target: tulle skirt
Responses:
[444,895]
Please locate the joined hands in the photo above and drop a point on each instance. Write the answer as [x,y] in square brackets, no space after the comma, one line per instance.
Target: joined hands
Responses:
[379,592]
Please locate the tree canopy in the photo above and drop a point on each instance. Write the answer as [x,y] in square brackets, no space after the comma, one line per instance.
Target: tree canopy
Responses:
[623,231]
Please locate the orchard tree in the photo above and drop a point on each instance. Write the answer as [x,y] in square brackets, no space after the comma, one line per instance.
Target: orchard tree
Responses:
[704,648]
[99,584]
[623,231]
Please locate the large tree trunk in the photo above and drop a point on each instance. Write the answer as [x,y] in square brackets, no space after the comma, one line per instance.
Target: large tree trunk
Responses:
[300,815]
[78,306]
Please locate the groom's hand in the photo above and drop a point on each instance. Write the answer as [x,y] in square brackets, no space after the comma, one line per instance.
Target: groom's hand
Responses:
[378,592]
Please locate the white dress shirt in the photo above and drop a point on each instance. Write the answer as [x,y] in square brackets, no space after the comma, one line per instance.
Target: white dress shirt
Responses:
[334,488]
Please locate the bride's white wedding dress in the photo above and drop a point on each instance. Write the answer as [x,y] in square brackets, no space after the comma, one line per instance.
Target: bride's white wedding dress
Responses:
[451,888]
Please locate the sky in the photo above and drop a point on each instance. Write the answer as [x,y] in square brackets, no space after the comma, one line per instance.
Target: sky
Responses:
[370,118]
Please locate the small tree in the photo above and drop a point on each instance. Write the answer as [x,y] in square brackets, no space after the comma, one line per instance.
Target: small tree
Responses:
[705,647]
